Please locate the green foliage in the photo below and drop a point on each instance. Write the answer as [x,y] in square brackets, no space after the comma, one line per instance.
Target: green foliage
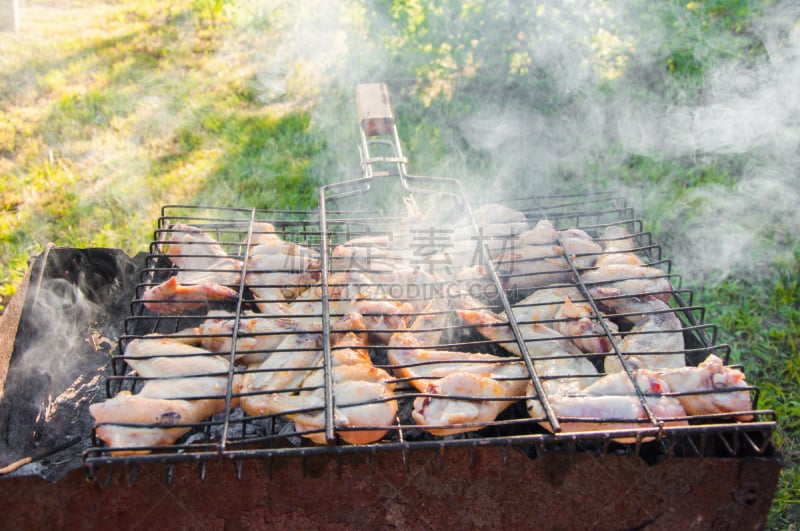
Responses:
[209,10]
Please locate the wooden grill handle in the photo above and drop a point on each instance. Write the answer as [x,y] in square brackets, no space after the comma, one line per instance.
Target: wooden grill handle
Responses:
[374,109]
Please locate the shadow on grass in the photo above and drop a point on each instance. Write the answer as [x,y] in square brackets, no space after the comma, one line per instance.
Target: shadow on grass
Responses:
[265,163]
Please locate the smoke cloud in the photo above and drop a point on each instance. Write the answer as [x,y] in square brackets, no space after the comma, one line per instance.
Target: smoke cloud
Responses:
[599,94]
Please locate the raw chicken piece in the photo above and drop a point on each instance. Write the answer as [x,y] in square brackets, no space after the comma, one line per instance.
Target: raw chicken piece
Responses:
[694,383]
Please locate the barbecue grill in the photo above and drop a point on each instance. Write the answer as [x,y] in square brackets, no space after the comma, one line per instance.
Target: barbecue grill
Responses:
[415,257]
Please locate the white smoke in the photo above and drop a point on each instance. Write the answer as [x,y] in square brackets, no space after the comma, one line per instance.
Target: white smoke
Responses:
[745,110]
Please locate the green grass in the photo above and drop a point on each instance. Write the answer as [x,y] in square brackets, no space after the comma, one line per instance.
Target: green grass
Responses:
[110,110]
[761,321]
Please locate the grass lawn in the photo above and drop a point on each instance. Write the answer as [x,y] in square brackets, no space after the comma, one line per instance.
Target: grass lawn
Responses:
[109,110]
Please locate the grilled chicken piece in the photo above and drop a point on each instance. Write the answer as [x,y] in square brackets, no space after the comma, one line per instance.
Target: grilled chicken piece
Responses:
[464,390]
[578,321]
[162,421]
[464,401]
[182,372]
[618,246]
[173,298]
[257,335]
[200,259]
[205,273]
[629,279]
[363,394]
[368,259]
[578,244]
[189,247]
[353,292]
[582,250]
[565,367]
[185,385]
[695,383]
[278,271]
[564,309]
[611,403]
[656,339]
[285,369]
[494,213]
[533,266]
[542,233]
[543,304]
[407,347]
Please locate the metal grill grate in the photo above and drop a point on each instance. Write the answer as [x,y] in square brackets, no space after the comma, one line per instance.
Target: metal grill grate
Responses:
[355,327]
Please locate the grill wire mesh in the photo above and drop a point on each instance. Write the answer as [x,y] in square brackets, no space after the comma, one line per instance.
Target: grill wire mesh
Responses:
[397,317]
[435,272]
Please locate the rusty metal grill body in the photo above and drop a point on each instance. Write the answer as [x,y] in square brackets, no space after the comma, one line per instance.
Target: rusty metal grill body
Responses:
[349,211]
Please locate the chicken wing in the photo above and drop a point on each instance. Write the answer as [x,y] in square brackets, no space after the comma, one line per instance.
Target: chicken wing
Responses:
[630,279]
[710,388]
[656,339]
[579,322]
[465,401]
[183,385]
[611,403]
[363,396]
[173,298]
[295,387]
[562,365]
[618,247]
[257,335]
[532,266]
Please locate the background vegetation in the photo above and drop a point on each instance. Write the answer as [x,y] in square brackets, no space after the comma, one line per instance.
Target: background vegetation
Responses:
[109,110]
